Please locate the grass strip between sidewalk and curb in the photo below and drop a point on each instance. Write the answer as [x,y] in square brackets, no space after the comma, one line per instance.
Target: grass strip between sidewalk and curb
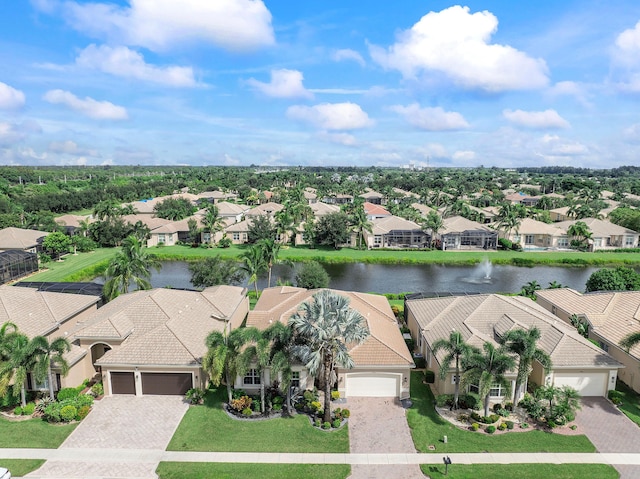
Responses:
[522,471]
[33,434]
[630,402]
[222,470]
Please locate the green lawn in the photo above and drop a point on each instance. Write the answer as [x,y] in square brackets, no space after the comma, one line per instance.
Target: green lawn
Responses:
[80,267]
[33,433]
[428,428]
[208,428]
[630,402]
[21,467]
[194,470]
[523,471]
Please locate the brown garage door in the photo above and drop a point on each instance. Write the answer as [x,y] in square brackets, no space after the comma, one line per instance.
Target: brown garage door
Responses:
[123,383]
[166,383]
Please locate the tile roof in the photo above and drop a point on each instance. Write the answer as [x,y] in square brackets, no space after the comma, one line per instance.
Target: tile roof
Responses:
[385,345]
[151,221]
[73,220]
[377,210]
[230,209]
[486,317]
[459,224]
[599,228]
[19,238]
[423,209]
[265,209]
[393,223]
[321,209]
[530,226]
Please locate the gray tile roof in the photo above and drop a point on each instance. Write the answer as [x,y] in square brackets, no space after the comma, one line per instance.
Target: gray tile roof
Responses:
[19,238]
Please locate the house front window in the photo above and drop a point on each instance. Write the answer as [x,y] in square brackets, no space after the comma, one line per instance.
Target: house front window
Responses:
[473,388]
[206,237]
[161,238]
[252,377]
[563,242]
[597,242]
[516,238]
[377,240]
[295,379]
[628,241]
[604,346]
[236,236]
[529,239]
[496,390]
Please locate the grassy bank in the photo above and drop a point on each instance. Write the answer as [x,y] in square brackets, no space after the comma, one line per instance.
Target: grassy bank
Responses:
[203,470]
[80,267]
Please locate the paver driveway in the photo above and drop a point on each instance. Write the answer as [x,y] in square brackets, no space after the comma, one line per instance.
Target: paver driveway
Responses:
[609,430]
[380,425]
[120,422]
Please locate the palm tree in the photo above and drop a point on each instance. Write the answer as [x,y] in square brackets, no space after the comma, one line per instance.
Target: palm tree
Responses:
[630,340]
[258,351]
[107,209]
[282,342]
[487,369]
[23,355]
[509,218]
[555,285]
[434,223]
[51,353]
[212,221]
[529,289]
[360,223]
[326,325]
[523,343]
[253,264]
[270,249]
[8,331]
[581,234]
[131,264]
[456,349]
[221,359]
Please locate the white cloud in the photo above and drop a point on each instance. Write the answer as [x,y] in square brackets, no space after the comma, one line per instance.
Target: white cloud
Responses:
[632,133]
[9,134]
[127,63]
[339,138]
[162,24]
[464,156]
[557,146]
[98,110]
[431,119]
[284,84]
[10,98]
[537,120]
[569,88]
[455,43]
[346,54]
[331,116]
[626,59]
[70,148]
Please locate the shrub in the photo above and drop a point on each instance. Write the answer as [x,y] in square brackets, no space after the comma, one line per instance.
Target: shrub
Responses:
[470,401]
[444,400]
[551,424]
[68,413]
[337,413]
[490,429]
[317,423]
[502,412]
[524,425]
[508,406]
[238,393]
[315,406]
[493,418]
[42,403]
[346,413]
[277,400]
[326,425]
[97,389]
[336,423]
[9,400]
[28,409]
[502,426]
[335,395]
[256,405]
[82,413]
[83,400]
[463,417]
[504,243]
[429,376]
[475,426]
[497,407]
[242,403]
[509,424]
[67,393]
[224,242]
[195,396]
[573,427]
[419,362]
[616,400]
[247,411]
[276,407]
[615,396]
[52,412]
[18,411]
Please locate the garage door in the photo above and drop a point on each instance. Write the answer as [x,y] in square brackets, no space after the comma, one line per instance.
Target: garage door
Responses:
[372,385]
[166,383]
[123,383]
[587,384]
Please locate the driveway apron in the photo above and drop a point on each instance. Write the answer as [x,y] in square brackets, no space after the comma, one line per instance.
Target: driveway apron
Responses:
[120,422]
[379,425]
[609,430]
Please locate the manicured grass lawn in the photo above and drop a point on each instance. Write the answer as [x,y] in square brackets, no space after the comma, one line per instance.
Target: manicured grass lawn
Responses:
[208,428]
[428,428]
[21,467]
[193,470]
[630,402]
[34,433]
[83,267]
[523,471]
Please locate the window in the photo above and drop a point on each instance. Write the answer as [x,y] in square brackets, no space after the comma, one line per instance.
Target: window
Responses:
[516,238]
[161,238]
[295,379]
[597,242]
[252,377]
[206,237]
[41,386]
[278,237]
[496,390]
[529,239]
[604,346]
[377,240]
[236,236]
[454,378]
[473,388]
[563,242]
[628,241]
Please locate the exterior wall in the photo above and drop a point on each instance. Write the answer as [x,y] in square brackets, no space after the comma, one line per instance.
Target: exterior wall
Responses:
[169,239]
[400,371]
[198,375]
[306,381]
[238,316]
[630,374]
[78,372]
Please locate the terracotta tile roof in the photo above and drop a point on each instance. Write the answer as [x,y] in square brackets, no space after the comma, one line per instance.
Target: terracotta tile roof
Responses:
[385,346]
[19,238]
[486,317]
[38,313]
[377,210]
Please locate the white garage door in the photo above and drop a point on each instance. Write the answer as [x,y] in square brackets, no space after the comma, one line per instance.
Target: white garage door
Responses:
[587,384]
[373,385]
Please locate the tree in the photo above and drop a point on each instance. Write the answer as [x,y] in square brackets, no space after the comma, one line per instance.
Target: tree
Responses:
[270,249]
[309,234]
[509,217]
[581,234]
[174,209]
[106,210]
[283,341]
[529,289]
[51,353]
[554,285]
[257,351]
[312,276]
[194,231]
[213,271]
[56,243]
[253,264]
[333,229]
[630,340]
[132,264]
[326,325]
[488,368]
[617,279]
[261,228]
[581,325]
[213,222]
[456,350]
[523,343]
[23,354]
[8,331]
[434,223]
[360,223]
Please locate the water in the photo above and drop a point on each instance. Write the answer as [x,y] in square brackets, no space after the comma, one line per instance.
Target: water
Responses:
[388,278]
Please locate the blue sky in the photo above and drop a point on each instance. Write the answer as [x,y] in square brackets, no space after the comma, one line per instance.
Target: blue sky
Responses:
[240,82]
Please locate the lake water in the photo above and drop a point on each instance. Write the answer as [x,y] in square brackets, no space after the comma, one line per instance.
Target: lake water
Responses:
[385,278]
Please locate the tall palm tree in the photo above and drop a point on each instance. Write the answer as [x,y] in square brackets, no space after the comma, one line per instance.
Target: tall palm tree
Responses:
[326,325]
[212,221]
[253,264]
[581,233]
[51,353]
[488,368]
[131,264]
[630,340]
[523,343]
[270,249]
[509,218]
[283,341]
[257,351]
[8,331]
[360,223]
[456,349]
[434,223]
[23,358]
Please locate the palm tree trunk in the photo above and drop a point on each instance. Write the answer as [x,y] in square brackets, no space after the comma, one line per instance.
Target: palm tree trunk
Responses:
[255,284]
[269,281]
[228,381]
[289,399]
[516,390]
[456,393]
[50,376]
[327,388]
[486,405]
[262,408]
[23,396]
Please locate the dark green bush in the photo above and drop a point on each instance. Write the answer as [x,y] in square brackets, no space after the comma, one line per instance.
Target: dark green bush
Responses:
[551,424]
[9,400]
[509,424]
[326,425]
[419,362]
[443,400]
[67,393]
[336,423]
[28,409]
[470,401]
[614,395]
[504,243]
[490,429]
[429,376]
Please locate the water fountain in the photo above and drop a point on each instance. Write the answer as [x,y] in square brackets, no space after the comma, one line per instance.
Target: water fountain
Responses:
[481,274]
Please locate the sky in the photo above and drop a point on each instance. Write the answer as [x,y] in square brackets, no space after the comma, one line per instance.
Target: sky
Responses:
[331,83]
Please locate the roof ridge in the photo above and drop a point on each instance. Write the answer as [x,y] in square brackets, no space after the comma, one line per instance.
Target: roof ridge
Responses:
[381,343]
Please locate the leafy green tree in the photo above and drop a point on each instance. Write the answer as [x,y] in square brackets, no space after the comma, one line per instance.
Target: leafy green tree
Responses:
[257,352]
[194,231]
[174,209]
[434,223]
[456,349]
[283,341]
[261,228]
[488,368]
[333,229]
[326,325]
[580,234]
[131,265]
[107,209]
[253,264]
[524,344]
[56,243]
[617,279]
[312,275]
[509,217]
[213,271]
[555,285]
[309,234]
[529,289]
[110,232]
[581,325]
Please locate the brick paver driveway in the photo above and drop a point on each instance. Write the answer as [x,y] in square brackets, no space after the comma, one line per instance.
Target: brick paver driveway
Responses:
[120,422]
[609,430]
[380,425]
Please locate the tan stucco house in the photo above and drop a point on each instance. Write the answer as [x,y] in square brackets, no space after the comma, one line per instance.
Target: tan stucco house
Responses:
[459,233]
[23,239]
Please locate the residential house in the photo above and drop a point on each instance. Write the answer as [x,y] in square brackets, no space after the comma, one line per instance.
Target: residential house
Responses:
[536,235]
[231,212]
[424,210]
[460,233]
[269,209]
[215,197]
[153,341]
[605,235]
[374,211]
[560,214]
[609,316]
[147,206]
[487,317]
[373,197]
[338,199]
[320,209]
[395,232]
[522,199]
[382,363]
[22,239]
[310,194]
[51,315]
[71,223]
